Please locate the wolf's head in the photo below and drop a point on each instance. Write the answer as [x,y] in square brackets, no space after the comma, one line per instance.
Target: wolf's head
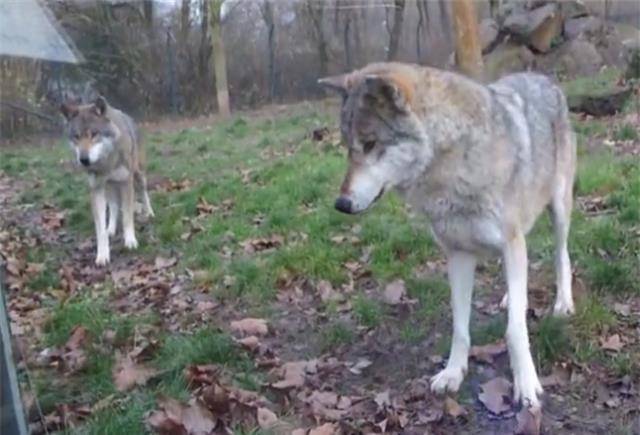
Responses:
[382,130]
[91,133]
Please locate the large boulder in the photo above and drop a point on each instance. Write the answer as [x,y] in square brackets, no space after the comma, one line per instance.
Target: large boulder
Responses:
[573,9]
[600,103]
[536,28]
[488,33]
[574,27]
[578,57]
[507,58]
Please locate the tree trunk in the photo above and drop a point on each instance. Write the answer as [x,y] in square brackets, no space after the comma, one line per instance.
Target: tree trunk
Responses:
[396,30]
[267,15]
[147,8]
[468,48]
[219,59]
[316,13]
[423,20]
[347,43]
[185,15]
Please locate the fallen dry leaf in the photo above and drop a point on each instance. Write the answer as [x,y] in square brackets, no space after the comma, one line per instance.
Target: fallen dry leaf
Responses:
[175,418]
[495,395]
[394,292]
[252,246]
[486,353]
[165,263]
[127,374]
[325,429]
[359,366]
[529,421]
[251,342]
[613,343]
[266,418]
[77,338]
[250,326]
[453,408]
[294,373]
[327,292]
[622,309]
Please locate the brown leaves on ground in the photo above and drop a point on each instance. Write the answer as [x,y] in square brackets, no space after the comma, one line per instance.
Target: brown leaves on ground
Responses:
[529,421]
[395,293]
[250,326]
[127,373]
[71,357]
[168,185]
[213,408]
[496,395]
[612,343]
[453,408]
[262,244]
[488,352]
[293,374]
[52,220]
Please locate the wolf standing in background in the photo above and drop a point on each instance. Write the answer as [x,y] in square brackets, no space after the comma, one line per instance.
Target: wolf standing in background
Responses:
[482,162]
[107,145]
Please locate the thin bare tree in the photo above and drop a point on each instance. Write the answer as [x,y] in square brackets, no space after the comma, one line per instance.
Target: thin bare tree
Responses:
[423,22]
[268,16]
[315,11]
[395,30]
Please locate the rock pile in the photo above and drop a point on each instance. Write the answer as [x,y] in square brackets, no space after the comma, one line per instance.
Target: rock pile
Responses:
[556,37]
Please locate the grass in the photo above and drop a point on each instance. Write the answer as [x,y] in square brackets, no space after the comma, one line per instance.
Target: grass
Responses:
[289,192]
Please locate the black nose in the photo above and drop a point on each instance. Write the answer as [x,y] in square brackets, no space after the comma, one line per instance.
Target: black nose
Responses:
[343,204]
[85,161]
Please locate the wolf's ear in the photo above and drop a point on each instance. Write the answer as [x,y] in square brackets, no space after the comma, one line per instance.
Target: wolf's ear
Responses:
[389,90]
[336,83]
[68,110]
[100,106]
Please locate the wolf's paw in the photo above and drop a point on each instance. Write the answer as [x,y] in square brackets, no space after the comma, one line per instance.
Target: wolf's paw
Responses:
[563,309]
[526,388]
[150,213]
[448,379]
[102,259]
[130,242]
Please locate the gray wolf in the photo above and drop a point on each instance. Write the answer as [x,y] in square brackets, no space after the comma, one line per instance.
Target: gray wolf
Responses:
[482,162]
[107,145]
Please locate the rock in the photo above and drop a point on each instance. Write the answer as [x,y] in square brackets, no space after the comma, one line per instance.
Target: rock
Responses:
[488,32]
[574,27]
[507,58]
[578,58]
[543,37]
[604,103]
[633,65]
[536,28]
[573,9]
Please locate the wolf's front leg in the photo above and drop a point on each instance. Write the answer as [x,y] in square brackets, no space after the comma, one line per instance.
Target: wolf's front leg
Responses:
[128,205]
[461,269]
[113,202]
[99,209]
[526,386]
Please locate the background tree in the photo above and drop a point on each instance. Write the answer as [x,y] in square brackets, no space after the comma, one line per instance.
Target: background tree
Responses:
[396,29]
[266,9]
[219,57]
[468,47]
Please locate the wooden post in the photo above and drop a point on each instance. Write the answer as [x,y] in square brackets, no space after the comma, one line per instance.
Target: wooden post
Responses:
[468,49]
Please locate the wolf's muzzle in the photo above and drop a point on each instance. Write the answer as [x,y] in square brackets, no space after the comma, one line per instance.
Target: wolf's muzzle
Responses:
[84,160]
[344,205]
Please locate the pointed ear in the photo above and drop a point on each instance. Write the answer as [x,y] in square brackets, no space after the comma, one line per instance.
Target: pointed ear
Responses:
[397,93]
[100,106]
[69,110]
[336,83]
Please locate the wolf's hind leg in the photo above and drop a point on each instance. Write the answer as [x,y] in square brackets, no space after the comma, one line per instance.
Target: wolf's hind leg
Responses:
[113,205]
[128,206]
[561,205]
[461,269]
[141,187]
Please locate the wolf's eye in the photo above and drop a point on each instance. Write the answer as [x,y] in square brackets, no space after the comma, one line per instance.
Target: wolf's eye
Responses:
[368,145]
[76,136]
[94,133]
